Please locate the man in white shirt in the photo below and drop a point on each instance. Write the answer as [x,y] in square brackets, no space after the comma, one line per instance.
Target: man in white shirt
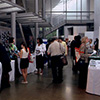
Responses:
[56,50]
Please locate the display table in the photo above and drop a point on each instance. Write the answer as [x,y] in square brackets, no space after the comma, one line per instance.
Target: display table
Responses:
[31,67]
[12,73]
[0,73]
[93,79]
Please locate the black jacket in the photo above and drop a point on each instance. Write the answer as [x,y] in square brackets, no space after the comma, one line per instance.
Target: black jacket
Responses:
[4,59]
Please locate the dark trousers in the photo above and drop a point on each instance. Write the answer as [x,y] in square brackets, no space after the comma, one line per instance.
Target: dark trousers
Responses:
[83,75]
[57,67]
[17,73]
[5,81]
[40,62]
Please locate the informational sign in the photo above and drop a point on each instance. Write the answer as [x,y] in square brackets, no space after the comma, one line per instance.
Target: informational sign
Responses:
[92,63]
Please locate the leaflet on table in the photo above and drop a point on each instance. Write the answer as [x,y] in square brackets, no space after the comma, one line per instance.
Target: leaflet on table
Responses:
[94,63]
[98,64]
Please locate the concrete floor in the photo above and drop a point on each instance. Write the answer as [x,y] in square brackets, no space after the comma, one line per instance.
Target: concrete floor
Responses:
[41,88]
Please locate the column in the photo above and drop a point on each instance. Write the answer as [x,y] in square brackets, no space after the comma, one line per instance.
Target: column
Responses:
[43,15]
[96,19]
[36,30]
[13,23]
[57,33]
[36,24]
[88,8]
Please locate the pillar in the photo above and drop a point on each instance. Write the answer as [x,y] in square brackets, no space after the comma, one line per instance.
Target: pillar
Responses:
[13,23]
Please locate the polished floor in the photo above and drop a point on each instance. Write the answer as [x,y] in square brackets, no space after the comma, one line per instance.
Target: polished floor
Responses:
[42,88]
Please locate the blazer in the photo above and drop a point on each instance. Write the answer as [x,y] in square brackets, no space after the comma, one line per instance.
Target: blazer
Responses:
[84,52]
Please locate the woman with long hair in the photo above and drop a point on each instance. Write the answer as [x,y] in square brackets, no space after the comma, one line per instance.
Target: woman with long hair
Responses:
[24,61]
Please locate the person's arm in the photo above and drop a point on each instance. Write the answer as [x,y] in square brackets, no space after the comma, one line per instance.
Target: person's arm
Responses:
[83,52]
[65,49]
[43,49]
[62,48]
[21,52]
[49,51]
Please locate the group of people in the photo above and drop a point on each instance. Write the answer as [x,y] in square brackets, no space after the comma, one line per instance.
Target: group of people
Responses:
[13,54]
[55,50]
[81,49]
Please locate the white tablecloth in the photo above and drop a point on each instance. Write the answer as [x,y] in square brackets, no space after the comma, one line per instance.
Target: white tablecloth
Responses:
[12,73]
[31,67]
[93,79]
[0,73]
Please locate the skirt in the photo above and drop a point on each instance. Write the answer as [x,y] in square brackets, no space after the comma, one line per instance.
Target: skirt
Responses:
[24,63]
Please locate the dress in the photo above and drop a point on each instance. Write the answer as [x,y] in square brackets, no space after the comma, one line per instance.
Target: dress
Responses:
[24,60]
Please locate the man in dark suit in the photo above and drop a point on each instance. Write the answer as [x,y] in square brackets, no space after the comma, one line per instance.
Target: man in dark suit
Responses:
[6,67]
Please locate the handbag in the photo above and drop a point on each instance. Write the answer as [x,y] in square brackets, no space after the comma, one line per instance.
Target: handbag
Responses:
[64,60]
[63,57]
[30,58]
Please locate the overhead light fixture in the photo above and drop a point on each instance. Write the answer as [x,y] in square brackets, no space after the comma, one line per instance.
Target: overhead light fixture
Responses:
[7,7]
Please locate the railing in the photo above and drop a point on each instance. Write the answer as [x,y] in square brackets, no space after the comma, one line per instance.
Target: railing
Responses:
[60,18]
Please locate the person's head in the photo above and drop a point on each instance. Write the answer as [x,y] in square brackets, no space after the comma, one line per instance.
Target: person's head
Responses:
[66,40]
[97,39]
[39,40]
[49,41]
[84,40]
[60,39]
[23,45]
[11,40]
[90,41]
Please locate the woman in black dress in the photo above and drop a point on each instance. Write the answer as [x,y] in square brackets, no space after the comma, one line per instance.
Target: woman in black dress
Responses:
[24,62]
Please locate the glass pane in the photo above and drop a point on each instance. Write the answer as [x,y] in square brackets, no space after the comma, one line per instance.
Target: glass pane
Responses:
[85,5]
[59,6]
[71,5]
[78,5]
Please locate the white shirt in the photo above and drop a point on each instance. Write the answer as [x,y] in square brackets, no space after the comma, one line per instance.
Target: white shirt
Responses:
[56,48]
[25,54]
[40,50]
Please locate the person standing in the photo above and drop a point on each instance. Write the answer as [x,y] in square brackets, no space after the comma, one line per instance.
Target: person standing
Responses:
[40,50]
[64,44]
[96,43]
[56,50]
[6,67]
[83,62]
[24,62]
[14,55]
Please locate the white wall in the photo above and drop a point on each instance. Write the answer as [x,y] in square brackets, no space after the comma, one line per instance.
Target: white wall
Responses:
[66,32]
[76,30]
[70,37]
[89,34]
[79,29]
